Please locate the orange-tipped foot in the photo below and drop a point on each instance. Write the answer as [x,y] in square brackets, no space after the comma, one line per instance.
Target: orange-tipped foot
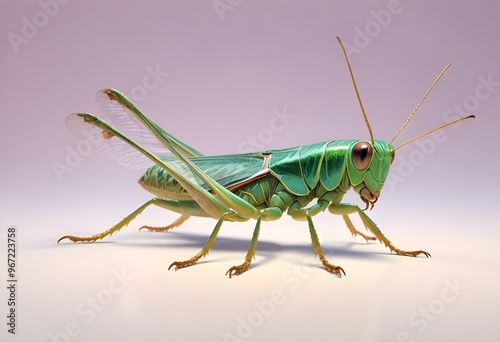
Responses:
[411,253]
[238,269]
[156,229]
[174,224]
[337,270]
[78,239]
[182,264]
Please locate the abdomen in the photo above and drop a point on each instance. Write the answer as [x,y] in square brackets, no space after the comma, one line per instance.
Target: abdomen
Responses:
[160,183]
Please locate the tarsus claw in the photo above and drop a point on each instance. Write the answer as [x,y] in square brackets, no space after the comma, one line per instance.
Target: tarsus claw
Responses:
[181,264]
[412,253]
[238,269]
[69,237]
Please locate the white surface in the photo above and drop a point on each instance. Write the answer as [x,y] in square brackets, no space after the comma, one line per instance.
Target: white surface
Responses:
[381,297]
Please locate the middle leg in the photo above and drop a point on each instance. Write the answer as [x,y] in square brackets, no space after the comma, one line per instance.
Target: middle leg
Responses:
[298,213]
[268,214]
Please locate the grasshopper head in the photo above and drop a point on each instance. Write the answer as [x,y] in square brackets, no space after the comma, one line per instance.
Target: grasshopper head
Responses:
[368,167]
[369,161]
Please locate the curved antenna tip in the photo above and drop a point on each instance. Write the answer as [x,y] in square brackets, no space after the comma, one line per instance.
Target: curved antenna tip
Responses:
[436,129]
[419,103]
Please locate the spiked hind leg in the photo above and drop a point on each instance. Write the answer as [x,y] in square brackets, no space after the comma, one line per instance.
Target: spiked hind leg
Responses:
[113,229]
[184,207]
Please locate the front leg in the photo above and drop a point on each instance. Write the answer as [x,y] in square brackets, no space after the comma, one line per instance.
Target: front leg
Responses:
[346,209]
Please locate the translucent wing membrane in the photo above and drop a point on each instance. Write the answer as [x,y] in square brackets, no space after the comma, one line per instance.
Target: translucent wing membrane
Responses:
[104,143]
[126,122]
[123,120]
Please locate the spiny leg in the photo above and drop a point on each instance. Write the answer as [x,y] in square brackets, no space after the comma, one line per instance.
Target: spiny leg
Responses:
[111,230]
[319,251]
[204,251]
[268,214]
[354,231]
[345,209]
[299,214]
[376,231]
[173,225]
[188,206]
[250,254]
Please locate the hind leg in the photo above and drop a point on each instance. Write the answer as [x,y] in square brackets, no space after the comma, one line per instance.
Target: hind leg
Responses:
[173,225]
[186,208]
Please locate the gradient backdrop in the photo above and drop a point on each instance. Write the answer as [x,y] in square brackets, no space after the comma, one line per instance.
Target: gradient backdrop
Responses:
[220,75]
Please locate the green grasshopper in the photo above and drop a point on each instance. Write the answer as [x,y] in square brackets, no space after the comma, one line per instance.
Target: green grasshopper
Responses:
[239,187]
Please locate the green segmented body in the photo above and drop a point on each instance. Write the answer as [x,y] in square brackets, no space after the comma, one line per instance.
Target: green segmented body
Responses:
[297,174]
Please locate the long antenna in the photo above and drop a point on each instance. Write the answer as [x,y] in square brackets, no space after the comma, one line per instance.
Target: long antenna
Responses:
[435,129]
[418,105]
[356,89]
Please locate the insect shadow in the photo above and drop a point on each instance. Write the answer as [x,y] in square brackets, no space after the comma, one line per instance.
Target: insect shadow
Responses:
[267,249]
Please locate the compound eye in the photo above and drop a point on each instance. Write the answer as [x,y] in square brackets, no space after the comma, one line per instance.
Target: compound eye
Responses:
[361,155]
[392,156]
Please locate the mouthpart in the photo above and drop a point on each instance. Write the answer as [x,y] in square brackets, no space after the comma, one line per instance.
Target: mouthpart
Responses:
[368,197]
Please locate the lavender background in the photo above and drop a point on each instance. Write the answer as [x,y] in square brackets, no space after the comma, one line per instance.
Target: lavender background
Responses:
[226,68]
